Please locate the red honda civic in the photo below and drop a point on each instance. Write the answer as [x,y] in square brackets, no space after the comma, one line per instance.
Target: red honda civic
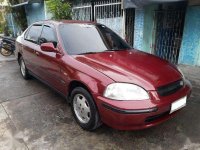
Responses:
[104,79]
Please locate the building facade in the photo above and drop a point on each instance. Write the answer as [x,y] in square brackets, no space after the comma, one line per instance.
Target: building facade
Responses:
[170,30]
[166,28]
[34,10]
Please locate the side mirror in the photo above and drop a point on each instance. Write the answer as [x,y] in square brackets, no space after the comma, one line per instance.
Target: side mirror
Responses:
[48,47]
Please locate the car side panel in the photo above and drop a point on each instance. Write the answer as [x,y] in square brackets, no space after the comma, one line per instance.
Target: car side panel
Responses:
[72,70]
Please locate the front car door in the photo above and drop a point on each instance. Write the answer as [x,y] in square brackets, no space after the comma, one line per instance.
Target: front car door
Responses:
[50,61]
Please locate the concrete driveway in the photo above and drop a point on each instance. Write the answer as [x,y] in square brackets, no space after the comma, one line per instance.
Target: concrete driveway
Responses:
[32,116]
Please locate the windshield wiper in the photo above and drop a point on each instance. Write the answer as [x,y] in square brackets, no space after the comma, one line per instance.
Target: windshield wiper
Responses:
[110,50]
[115,50]
[87,53]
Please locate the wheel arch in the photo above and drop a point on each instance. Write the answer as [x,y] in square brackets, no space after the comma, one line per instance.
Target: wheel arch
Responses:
[75,83]
[19,55]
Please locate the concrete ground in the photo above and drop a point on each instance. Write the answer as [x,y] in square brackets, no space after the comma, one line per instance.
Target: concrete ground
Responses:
[10,58]
[32,116]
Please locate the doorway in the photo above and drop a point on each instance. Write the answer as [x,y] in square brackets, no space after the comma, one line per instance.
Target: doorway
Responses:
[169,24]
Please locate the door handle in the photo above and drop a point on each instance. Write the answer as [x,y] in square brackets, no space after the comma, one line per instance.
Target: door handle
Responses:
[37,53]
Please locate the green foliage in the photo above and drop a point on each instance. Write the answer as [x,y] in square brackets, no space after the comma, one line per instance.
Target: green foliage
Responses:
[1,17]
[2,25]
[13,2]
[4,28]
[59,9]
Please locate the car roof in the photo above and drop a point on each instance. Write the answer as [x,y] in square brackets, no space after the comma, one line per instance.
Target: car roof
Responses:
[77,21]
[57,22]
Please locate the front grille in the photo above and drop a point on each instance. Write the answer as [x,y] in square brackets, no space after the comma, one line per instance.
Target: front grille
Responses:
[156,117]
[170,88]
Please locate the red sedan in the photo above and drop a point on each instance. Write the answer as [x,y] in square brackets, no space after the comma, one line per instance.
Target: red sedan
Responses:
[104,79]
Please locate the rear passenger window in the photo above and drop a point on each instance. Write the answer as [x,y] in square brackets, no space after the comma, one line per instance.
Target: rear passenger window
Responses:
[34,33]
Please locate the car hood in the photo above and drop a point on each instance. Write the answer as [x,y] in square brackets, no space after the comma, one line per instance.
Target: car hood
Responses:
[132,66]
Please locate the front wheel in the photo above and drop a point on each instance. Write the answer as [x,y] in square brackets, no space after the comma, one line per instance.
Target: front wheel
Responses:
[84,109]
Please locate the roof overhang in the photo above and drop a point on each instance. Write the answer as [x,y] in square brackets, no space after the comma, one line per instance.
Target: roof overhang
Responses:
[26,3]
[141,3]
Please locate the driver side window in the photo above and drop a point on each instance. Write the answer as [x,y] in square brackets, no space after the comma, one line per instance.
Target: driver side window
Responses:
[33,33]
[48,35]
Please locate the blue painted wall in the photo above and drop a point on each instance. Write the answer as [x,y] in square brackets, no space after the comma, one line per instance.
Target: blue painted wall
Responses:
[35,12]
[143,31]
[149,32]
[190,48]
[139,29]
[12,25]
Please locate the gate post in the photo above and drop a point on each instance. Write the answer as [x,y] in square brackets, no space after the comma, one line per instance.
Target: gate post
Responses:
[124,24]
[92,15]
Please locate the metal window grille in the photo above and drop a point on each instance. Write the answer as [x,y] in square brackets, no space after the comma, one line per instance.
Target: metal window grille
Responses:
[108,13]
[168,34]
[82,12]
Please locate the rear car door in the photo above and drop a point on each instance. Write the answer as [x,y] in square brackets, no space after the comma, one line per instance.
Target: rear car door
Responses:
[30,45]
[50,61]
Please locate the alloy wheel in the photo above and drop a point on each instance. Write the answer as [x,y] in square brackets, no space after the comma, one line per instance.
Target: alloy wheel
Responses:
[82,108]
[23,68]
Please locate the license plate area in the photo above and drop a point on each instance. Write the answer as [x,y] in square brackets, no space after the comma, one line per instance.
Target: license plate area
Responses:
[178,104]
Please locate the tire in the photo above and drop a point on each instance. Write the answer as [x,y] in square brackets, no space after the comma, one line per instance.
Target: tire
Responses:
[5,52]
[83,104]
[23,69]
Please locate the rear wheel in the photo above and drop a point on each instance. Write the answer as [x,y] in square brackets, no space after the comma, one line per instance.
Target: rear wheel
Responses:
[84,109]
[23,69]
[5,50]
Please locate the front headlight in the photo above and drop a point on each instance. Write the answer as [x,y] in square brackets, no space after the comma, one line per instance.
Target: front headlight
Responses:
[125,91]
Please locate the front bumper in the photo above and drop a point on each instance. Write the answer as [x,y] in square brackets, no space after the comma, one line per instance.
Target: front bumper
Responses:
[135,115]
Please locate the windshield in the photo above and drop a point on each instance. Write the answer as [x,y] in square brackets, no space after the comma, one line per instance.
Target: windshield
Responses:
[87,38]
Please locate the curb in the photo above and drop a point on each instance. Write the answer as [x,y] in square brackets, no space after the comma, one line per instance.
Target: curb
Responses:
[8,60]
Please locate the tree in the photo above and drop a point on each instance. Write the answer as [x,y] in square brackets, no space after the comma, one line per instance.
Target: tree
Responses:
[13,2]
[59,9]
